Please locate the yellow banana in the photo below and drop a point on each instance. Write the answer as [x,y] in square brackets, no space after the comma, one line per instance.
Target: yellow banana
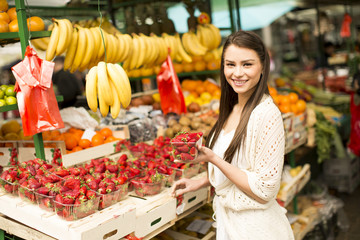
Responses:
[70,30]
[181,51]
[116,106]
[91,88]
[135,53]
[89,51]
[54,39]
[104,108]
[39,44]
[120,44]
[192,45]
[45,40]
[63,37]
[216,33]
[163,51]
[70,53]
[129,46]
[80,49]
[113,48]
[104,84]
[142,51]
[125,83]
[97,42]
[116,79]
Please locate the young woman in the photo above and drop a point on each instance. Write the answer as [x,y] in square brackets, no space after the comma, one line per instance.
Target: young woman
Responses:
[245,148]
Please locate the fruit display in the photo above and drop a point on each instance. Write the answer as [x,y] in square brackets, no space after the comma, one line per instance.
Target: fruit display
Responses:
[185,145]
[9,22]
[107,85]
[289,102]
[152,183]
[190,122]
[7,95]
[199,92]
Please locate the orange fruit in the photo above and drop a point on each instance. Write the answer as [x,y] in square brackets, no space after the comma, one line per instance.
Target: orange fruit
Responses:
[200,89]
[12,13]
[110,139]
[5,17]
[272,91]
[213,65]
[294,108]
[284,108]
[84,143]
[70,141]
[178,67]
[217,94]
[199,66]
[276,99]
[106,132]
[35,24]
[285,100]
[4,26]
[13,26]
[211,88]
[55,133]
[197,58]
[293,97]
[188,67]
[97,140]
[3,5]
[77,148]
[47,135]
[301,105]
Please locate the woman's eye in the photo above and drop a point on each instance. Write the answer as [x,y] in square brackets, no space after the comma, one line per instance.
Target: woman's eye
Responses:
[247,64]
[230,64]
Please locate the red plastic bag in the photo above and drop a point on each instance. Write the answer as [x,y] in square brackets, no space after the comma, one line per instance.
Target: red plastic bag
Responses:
[345,30]
[171,96]
[36,99]
[354,143]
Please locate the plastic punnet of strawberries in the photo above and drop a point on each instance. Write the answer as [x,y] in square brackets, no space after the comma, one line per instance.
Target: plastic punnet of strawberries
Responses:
[152,183]
[184,146]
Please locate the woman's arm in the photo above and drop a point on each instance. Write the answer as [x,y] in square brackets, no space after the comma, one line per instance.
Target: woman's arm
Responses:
[233,173]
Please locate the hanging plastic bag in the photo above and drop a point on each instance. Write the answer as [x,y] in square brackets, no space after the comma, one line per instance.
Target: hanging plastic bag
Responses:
[171,96]
[36,99]
[354,143]
[345,30]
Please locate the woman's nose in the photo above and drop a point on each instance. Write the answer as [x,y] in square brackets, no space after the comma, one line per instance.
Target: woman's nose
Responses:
[238,71]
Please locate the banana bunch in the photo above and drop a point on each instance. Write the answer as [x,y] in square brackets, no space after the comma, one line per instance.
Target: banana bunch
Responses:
[89,46]
[60,38]
[107,86]
[147,51]
[40,43]
[208,35]
[182,55]
[192,44]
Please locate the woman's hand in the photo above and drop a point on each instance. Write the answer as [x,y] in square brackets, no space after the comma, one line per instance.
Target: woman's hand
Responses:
[205,155]
[185,185]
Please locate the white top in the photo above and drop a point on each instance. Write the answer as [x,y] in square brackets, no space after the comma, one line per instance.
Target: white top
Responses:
[238,216]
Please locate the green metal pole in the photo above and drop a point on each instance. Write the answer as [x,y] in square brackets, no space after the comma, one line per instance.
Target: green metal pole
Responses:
[230,6]
[24,41]
[293,165]
[2,234]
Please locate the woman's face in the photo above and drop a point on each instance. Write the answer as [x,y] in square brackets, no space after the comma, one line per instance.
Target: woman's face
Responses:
[242,69]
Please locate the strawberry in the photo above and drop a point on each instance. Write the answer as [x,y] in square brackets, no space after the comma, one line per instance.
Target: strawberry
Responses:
[61,172]
[72,183]
[43,190]
[193,151]
[183,149]
[112,168]
[83,190]
[31,170]
[68,200]
[90,194]
[74,171]
[93,185]
[33,183]
[186,157]
[100,168]
[110,188]
[71,194]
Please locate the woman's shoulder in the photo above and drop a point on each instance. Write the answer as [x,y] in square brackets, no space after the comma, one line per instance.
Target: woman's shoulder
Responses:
[266,106]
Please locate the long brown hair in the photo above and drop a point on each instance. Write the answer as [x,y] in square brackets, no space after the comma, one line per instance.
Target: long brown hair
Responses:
[229,98]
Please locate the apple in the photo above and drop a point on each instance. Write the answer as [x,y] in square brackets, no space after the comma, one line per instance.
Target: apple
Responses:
[2,94]
[3,87]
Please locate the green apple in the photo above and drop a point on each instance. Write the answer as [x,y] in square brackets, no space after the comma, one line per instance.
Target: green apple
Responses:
[2,102]
[10,91]
[3,87]
[10,100]
[2,94]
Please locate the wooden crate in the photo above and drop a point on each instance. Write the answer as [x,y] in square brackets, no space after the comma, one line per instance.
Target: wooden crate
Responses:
[293,187]
[111,223]
[191,199]
[154,213]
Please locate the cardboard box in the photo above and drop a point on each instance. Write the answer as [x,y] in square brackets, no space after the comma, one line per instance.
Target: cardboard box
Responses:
[191,199]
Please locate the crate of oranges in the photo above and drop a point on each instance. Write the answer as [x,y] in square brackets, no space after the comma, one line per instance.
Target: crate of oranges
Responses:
[80,147]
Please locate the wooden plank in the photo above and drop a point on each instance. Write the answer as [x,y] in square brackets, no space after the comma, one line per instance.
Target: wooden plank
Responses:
[20,230]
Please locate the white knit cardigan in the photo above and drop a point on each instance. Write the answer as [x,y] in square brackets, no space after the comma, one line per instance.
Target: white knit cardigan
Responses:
[264,152]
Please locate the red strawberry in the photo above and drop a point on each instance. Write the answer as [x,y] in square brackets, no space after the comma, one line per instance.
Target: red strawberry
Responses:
[31,170]
[74,171]
[68,200]
[112,168]
[72,194]
[186,157]
[93,185]
[43,190]
[100,168]
[62,172]
[33,183]
[110,188]
[183,149]
[90,194]
[193,151]
[72,183]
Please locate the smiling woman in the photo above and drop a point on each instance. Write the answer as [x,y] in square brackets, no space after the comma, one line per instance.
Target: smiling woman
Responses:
[246,148]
